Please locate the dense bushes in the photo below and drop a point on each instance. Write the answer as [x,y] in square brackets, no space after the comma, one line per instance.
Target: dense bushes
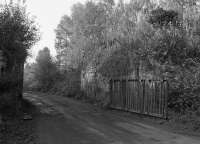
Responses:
[175,51]
[45,76]
[182,102]
[185,92]
[68,84]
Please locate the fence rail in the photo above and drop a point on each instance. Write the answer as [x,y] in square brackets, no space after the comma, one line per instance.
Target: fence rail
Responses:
[147,97]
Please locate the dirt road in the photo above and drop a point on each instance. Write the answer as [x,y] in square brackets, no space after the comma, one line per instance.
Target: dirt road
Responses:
[66,121]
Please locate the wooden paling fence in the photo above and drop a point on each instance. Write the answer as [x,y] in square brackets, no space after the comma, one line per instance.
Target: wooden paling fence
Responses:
[147,97]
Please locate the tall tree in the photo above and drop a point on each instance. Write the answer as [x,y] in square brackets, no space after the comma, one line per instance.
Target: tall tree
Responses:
[18,32]
[45,69]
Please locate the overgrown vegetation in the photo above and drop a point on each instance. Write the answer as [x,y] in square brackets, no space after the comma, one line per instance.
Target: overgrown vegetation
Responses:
[104,39]
[45,76]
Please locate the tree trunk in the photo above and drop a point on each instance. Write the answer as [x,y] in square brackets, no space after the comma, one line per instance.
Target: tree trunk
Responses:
[137,69]
[19,70]
[21,80]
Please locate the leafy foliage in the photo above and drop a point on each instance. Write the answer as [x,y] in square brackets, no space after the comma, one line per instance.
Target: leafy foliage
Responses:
[176,53]
[68,84]
[18,33]
[45,70]
[136,37]
[161,17]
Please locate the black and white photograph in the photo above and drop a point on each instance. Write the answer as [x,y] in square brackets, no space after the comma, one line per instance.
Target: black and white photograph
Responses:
[99,71]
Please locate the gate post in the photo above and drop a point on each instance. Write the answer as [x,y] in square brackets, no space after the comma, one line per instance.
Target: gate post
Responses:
[143,96]
[123,83]
[166,93]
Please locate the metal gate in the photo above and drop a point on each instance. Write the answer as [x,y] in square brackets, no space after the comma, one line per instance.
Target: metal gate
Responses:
[141,96]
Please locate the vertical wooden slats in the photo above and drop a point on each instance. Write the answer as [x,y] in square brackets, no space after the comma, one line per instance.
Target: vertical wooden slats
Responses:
[166,99]
[141,96]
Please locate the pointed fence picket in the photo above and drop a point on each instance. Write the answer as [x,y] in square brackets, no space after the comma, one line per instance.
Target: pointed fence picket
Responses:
[147,97]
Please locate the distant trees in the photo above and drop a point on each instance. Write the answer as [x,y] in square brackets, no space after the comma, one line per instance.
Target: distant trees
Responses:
[45,71]
[44,75]
[30,83]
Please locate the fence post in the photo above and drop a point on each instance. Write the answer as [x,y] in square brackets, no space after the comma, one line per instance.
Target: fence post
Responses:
[110,91]
[124,95]
[143,96]
[166,98]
